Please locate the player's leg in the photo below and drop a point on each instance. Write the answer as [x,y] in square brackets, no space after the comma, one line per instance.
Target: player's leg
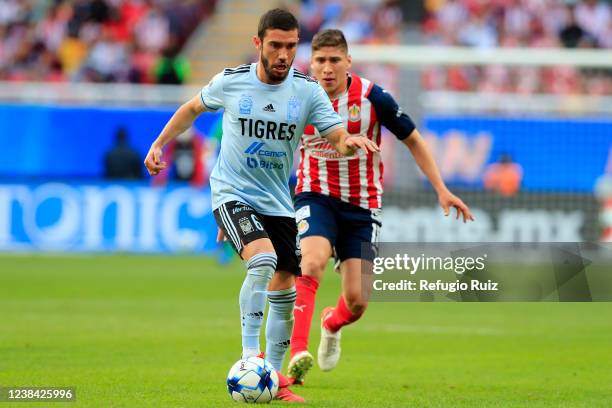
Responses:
[354,299]
[317,229]
[240,225]
[356,246]
[281,291]
[281,296]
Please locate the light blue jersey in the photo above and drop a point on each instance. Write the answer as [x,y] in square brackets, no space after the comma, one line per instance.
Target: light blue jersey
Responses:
[262,127]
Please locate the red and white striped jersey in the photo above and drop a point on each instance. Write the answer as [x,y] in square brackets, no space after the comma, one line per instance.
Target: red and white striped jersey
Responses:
[356,179]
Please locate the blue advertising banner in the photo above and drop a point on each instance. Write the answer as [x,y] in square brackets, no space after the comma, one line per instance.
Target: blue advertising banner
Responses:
[556,154]
[95,217]
[68,142]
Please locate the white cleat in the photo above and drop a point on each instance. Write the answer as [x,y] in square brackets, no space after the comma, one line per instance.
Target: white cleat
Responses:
[298,367]
[328,354]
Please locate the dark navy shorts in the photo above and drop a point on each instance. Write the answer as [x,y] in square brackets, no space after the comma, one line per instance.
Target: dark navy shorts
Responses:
[345,225]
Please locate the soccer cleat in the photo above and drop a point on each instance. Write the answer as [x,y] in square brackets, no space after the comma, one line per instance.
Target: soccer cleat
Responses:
[284,393]
[329,346]
[298,367]
[296,382]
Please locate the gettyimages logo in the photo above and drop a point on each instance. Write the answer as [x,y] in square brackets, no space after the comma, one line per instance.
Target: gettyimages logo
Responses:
[414,264]
[494,272]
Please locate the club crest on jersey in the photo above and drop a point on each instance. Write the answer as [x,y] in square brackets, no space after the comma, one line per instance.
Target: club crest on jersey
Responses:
[354,113]
[245,225]
[245,104]
[303,226]
[293,109]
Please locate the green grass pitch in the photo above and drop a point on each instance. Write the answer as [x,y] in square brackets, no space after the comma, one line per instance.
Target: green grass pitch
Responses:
[148,331]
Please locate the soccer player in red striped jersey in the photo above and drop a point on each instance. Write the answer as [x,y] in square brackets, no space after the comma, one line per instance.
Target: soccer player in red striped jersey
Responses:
[338,199]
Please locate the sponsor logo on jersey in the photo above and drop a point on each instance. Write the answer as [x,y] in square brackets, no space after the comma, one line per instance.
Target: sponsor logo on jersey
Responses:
[252,162]
[354,113]
[269,108]
[240,208]
[256,148]
[302,213]
[293,109]
[245,104]
[267,129]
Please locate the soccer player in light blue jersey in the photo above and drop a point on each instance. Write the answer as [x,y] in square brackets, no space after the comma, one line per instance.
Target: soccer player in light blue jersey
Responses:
[266,107]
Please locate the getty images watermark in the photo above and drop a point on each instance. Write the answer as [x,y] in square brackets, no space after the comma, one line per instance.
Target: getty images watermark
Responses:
[488,272]
[415,264]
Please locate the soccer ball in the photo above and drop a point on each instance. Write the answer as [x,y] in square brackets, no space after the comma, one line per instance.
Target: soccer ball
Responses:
[252,380]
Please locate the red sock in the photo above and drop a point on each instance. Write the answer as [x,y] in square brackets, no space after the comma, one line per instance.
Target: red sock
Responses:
[306,288]
[340,317]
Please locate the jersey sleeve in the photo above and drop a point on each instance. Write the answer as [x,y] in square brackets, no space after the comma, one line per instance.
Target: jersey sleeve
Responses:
[212,94]
[322,115]
[390,115]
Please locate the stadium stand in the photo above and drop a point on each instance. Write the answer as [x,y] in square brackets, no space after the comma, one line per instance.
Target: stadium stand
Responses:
[519,23]
[134,41]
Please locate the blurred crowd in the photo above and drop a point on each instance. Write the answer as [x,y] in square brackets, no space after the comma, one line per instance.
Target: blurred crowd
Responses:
[97,40]
[362,21]
[519,23]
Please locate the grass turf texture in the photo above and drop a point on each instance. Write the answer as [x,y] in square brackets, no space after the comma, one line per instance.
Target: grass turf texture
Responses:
[136,331]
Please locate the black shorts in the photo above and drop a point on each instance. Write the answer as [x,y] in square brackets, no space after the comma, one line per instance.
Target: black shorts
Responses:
[351,230]
[241,225]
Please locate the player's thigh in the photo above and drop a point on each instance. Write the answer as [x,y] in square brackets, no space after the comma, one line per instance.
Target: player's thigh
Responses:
[282,232]
[317,228]
[316,251]
[244,228]
[358,233]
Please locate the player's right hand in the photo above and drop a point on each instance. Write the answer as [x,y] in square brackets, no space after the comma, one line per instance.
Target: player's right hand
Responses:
[153,161]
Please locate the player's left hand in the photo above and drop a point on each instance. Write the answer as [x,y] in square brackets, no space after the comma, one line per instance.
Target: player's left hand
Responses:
[448,200]
[363,143]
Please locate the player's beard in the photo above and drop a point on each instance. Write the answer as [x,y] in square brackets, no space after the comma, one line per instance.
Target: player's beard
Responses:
[272,76]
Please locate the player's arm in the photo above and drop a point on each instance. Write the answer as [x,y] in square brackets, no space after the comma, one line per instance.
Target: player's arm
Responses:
[400,124]
[182,120]
[347,145]
[209,99]
[424,159]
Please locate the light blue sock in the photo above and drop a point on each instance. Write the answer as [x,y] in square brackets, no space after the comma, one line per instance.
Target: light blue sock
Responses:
[260,269]
[279,325]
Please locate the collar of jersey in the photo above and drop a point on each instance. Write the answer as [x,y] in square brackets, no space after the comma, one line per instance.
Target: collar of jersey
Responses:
[270,87]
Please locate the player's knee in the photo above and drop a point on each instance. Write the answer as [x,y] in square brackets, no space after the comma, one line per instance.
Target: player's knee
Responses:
[356,303]
[262,265]
[313,267]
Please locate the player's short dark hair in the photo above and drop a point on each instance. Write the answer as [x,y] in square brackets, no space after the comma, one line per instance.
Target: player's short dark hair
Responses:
[277,19]
[329,38]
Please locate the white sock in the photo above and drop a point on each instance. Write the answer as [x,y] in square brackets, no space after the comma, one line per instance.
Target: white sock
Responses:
[279,325]
[260,269]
